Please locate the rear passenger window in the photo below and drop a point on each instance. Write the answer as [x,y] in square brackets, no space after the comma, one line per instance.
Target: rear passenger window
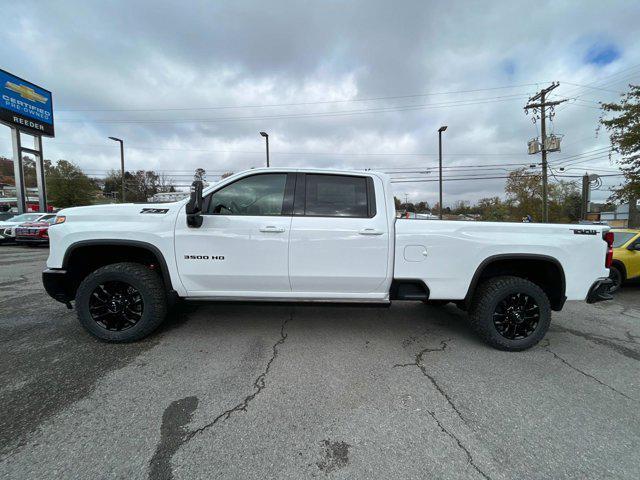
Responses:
[336,196]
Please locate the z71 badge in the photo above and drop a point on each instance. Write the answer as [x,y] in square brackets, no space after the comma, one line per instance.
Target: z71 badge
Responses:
[154,210]
[583,231]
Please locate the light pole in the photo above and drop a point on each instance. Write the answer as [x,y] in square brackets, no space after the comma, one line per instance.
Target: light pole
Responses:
[440,130]
[121,161]
[266,137]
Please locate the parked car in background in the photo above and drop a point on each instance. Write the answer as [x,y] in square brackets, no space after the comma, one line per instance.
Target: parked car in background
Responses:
[34,233]
[626,256]
[7,228]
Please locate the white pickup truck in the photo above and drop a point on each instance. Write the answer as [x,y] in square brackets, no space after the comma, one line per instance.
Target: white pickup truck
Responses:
[309,235]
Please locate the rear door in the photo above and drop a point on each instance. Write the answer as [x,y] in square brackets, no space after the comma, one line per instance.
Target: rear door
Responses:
[241,249]
[339,241]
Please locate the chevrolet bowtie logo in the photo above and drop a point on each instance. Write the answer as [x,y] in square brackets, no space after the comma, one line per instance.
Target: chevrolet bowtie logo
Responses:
[26,92]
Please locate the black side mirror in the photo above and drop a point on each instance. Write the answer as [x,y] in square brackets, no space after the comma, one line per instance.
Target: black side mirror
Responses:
[194,205]
[634,246]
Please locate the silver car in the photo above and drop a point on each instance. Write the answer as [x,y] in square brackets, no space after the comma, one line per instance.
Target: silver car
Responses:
[8,227]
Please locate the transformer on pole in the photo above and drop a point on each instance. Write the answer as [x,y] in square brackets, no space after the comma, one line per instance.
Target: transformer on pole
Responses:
[539,104]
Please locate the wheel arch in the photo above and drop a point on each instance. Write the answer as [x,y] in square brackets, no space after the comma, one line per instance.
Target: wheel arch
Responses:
[92,255]
[543,270]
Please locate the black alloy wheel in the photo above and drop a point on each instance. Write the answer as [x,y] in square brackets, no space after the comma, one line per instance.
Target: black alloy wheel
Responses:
[510,313]
[516,316]
[116,305]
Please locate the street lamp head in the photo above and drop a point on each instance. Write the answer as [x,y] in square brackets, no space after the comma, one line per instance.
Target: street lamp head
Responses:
[264,134]
[116,139]
[442,129]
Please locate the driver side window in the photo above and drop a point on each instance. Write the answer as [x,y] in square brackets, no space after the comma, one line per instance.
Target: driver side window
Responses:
[257,195]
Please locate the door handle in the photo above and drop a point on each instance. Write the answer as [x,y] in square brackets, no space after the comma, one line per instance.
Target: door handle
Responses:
[370,231]
[272,229]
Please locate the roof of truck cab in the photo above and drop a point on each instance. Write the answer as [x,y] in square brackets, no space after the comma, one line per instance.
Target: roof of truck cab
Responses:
[311,170]
[329,171]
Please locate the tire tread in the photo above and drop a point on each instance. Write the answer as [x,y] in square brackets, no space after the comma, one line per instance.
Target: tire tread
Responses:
[156,303]
[481,312]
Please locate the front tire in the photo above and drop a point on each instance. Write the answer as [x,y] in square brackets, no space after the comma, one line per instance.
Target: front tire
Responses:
[121,302]
[510,313]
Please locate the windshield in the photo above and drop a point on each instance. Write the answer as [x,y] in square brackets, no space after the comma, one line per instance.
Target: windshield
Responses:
[620,238]
[25,217]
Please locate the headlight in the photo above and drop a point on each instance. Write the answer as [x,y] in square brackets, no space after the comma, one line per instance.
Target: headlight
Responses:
[60,219]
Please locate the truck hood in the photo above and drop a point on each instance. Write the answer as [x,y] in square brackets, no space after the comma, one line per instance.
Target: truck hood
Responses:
[122,210]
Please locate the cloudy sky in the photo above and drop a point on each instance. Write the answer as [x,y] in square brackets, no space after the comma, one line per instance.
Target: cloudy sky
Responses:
[359,84]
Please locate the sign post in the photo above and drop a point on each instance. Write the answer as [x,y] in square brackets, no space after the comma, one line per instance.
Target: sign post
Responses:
[26,108]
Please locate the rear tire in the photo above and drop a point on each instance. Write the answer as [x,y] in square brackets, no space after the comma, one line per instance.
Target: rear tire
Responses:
[510,313]
[121,302]
[615,274]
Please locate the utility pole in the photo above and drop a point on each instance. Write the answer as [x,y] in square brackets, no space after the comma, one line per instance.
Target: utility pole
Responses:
[121,162]
[585,196]
[440,130]
[539,101]
[266,137]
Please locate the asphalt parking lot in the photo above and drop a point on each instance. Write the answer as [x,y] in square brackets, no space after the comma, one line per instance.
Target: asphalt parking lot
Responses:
[259,391]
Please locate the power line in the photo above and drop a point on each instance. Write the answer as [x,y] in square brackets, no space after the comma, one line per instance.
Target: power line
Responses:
[599,150]
[254,152]
[470,178]
[319,102]
[401,108]
[593,88]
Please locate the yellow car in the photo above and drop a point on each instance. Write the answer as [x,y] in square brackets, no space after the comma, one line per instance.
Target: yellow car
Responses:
[626,256]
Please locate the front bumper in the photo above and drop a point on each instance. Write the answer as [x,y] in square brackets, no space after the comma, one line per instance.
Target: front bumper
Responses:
[32,240]
[57,284]
[600,291]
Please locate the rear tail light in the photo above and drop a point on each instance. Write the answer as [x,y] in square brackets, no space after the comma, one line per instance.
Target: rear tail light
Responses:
[608,237]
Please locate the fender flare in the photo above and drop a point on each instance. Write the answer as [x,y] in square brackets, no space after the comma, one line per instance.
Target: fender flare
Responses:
[516,256]
[164,269]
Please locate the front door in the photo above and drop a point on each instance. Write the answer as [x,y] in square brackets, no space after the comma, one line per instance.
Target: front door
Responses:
[241,249]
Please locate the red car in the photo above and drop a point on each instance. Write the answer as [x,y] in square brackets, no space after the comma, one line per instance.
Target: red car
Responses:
[36,233]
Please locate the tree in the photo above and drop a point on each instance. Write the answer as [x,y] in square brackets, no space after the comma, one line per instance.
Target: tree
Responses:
[565,202]
[139,185]
[494,209]
[68,186]
[422,207]
[624,134]
[524,192]
[461,207]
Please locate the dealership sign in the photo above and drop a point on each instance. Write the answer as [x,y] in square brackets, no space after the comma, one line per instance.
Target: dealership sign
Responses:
[25,106]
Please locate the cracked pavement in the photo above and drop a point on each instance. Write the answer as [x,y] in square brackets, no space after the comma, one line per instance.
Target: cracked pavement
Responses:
[260,391]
